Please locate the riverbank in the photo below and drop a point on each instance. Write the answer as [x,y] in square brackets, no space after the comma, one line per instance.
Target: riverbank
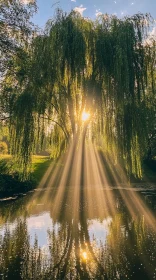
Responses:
[10,184]
[11,187]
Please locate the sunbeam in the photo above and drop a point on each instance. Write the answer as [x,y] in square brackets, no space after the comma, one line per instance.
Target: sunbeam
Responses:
[87,178]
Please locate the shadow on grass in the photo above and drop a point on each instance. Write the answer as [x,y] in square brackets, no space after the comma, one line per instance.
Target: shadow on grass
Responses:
[10,183]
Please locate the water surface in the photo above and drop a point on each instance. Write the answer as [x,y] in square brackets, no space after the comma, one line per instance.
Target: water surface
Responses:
[107,235]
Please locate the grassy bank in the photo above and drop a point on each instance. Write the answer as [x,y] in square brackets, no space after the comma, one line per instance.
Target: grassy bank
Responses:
[10,183]
[39,167]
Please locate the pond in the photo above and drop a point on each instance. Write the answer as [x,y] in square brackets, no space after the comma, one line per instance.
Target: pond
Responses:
[97,233]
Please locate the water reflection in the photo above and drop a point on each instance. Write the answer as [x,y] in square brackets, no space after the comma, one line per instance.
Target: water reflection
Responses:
[77,226]
[36,243]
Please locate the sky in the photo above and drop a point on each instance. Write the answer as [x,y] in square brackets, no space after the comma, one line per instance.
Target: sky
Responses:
[88,8]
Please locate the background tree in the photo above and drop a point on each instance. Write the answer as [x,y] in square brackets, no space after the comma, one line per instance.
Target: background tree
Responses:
[16,33]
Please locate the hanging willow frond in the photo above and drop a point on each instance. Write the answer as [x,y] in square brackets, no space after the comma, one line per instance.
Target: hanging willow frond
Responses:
[104,66]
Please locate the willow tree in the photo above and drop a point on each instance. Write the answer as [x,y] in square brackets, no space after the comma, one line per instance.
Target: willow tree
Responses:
[102,66]
[122,66]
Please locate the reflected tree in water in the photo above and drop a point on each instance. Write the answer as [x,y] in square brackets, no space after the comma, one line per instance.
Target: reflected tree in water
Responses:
[73,252]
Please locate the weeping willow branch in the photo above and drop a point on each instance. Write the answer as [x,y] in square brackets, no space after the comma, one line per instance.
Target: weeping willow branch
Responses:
[101,66]
[61,126]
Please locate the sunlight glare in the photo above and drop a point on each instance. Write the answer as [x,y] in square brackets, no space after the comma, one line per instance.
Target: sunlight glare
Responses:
[84,255]
[85,116]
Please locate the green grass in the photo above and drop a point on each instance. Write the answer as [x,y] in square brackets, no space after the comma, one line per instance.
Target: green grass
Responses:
[39,166]
[10,182]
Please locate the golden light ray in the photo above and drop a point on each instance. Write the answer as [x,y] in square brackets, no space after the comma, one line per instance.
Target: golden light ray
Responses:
[135,206]
[132,200]
[109,196]
[64,181]
[49,180]
[84,194]
[74,184]
[95,194]
[54,176]
[83,179]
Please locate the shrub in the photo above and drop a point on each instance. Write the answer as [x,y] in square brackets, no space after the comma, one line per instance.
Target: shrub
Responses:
[3,148]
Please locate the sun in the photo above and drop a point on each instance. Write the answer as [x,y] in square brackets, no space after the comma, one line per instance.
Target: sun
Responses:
[85,116]
[84,256]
